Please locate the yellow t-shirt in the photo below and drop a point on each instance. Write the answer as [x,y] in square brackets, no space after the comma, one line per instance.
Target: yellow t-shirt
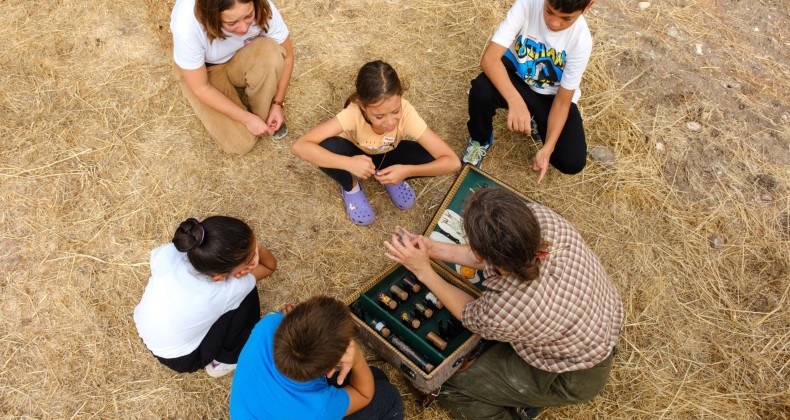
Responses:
[359,132]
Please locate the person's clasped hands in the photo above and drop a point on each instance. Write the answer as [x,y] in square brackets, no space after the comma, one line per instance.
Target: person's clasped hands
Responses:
[409,250]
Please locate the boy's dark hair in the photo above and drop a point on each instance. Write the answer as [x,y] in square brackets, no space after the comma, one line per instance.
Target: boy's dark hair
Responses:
[216,245]
[208,13]
[312,338]
[376,81]
[503,231]
[569,6]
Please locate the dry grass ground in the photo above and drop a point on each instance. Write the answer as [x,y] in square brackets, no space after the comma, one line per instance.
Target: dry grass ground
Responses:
[101,157]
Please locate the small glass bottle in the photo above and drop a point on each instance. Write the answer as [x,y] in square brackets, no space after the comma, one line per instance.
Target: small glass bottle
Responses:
[411,354]
[423,311]
[437,341]
[430,297]
[387,301]
[400,293]
[380,327]
[410,320]
[409,282]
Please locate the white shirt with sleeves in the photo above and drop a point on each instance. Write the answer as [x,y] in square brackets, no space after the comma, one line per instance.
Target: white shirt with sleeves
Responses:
[192,49]
[180,305]
[543,58]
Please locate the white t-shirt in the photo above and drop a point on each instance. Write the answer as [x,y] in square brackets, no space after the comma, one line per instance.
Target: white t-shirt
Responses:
[179,304]
[543,58]
[191,48]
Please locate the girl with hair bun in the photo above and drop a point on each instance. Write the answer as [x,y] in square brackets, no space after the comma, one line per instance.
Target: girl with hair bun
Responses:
[549,310]
[201,301]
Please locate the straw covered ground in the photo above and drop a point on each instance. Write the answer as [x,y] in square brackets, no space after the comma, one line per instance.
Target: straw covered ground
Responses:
[101,158]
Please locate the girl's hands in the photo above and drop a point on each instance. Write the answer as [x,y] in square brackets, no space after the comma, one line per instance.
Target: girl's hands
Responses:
[361,166]
[256,126]
[414,258]
[392,175]
[276,118]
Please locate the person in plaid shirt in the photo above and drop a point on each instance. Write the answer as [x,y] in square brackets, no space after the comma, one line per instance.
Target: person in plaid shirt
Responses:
[549,309]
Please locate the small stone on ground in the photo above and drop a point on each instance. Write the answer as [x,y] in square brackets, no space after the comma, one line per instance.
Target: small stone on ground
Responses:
[716,241]
[604,157]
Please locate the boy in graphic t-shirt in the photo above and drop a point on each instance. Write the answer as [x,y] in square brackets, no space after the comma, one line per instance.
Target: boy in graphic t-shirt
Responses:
[532,67]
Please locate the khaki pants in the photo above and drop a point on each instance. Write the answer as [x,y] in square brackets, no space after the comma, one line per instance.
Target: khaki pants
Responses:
[256,68]
[500,381]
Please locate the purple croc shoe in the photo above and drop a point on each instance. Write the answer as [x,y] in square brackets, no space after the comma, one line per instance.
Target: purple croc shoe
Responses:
[357,206]
[402,195]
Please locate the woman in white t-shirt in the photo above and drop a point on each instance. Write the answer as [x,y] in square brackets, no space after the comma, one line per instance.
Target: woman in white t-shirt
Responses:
[201,302]
[221,45]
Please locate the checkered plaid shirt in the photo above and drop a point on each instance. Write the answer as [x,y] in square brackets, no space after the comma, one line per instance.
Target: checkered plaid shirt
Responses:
[567,319]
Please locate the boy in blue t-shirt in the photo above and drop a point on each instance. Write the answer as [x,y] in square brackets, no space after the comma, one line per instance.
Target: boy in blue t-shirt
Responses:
[283,370]
[533,67]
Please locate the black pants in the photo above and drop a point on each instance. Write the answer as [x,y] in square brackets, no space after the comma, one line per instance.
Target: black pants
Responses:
[224,339]
[386,403]
[570,153]
[407,153]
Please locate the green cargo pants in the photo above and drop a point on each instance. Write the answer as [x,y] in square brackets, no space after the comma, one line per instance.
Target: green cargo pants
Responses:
[500,381]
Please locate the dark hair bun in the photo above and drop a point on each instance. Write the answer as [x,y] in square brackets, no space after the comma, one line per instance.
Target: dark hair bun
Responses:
[189,235]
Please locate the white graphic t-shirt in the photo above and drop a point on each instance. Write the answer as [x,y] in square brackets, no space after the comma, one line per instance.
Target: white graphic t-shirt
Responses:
[543,58]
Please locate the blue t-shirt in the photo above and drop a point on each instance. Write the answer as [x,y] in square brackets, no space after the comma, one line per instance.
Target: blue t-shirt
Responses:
[260,391]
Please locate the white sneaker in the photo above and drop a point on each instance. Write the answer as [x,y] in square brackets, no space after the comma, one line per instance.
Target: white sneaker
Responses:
[216,369]
[475,152]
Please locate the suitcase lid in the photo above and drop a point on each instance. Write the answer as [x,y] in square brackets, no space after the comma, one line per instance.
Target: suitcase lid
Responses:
[447,223]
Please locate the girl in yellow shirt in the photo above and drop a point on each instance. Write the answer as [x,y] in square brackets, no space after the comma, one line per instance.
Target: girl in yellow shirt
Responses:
[380,135]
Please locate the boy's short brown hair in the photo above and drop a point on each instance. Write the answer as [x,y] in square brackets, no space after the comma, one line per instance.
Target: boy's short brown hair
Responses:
[312,338]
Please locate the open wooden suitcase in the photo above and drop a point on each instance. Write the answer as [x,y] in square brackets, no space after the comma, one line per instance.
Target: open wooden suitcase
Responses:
[403,322]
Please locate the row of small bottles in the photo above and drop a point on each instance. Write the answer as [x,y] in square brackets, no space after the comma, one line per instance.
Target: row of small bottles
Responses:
[399,290]
[446,331]
[432,337]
